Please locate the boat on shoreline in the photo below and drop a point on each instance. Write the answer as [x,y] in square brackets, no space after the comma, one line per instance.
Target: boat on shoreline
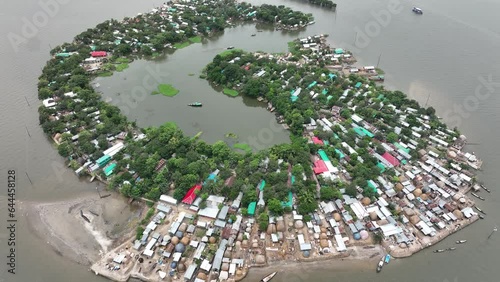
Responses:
[230,47]
[481,216]
[380,265]
[195,104]
[485,189]
[461,241]
[387,258]
[480,210]
[477,196]
[268,277]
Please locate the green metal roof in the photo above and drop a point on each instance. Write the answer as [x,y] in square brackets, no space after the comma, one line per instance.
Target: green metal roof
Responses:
[407,150]
[341,155]
[359,131]
[312,84]
[103,160]
[367,133]
[262,185]
[323,155]
[358,85]
[381,166]
[109,170]
[289,203]
[251,208]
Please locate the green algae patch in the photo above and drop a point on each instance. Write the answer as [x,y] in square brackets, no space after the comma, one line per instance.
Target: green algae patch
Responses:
[121,67]
[243,146]
[196,39]
[230,92]
[166,90]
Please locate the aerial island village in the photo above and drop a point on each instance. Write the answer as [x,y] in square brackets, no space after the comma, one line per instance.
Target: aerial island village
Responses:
[368,171]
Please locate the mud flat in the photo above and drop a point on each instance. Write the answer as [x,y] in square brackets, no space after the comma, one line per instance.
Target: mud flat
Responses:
[64,226]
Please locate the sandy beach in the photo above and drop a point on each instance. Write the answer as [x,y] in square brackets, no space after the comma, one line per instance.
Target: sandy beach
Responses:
[63,227]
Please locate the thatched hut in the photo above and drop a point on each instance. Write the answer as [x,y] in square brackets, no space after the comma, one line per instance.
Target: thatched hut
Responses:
[337,217]
[185,241]
[417,192]
[299,224]
[366,201]
[175,240]
[458,214]
[399,187]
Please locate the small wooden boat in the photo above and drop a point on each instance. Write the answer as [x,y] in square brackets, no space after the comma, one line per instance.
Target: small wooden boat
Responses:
[417,11]
[485,189]
[439,251]
[474,194]
[195,104]
[254,34]
[451,249]
[461,241]
[480,210]
[380,265]
[230,47]
[268,277]
[481,216]
[387,258]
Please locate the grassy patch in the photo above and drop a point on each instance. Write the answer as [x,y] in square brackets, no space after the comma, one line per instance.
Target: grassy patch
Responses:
[230,92]
[198,135]
[121,67]
[170,124]
[229,52]
[166,90]
[105,74]
[243,146]
[122,60]
[196,39]
[182,44]
[292,47]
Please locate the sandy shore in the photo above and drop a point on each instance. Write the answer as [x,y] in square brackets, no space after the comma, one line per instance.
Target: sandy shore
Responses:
[62,226]
[306,271]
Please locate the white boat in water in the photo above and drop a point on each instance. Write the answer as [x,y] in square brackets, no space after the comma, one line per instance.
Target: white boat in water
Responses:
[461,241]
[268,277]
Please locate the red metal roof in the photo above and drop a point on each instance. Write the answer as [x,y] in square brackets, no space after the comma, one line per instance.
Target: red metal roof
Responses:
[98,54]
[391,159]
[317,141]
[320,167]
[191,194]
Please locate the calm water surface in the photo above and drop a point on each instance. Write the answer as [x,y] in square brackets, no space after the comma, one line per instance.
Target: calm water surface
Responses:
[442,54]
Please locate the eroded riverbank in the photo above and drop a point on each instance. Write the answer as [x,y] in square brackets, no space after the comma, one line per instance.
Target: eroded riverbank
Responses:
[61,225]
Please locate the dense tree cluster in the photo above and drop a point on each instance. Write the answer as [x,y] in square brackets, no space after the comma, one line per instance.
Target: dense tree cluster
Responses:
[238,70]
[323,3]
[188,161]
